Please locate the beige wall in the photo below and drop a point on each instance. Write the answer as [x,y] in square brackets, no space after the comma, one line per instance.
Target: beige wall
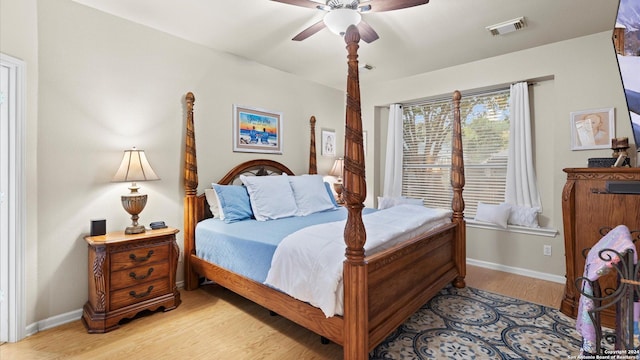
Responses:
[584,76]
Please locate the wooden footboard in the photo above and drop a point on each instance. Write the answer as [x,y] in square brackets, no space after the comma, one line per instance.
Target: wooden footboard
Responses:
[403,278]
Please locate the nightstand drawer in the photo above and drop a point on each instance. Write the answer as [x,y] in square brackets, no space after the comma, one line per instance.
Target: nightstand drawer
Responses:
[138,293]
[138,275]
[139,257]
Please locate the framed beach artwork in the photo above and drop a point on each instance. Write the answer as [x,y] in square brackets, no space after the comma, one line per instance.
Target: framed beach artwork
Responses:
[328,142]
[257,130]
[592,129]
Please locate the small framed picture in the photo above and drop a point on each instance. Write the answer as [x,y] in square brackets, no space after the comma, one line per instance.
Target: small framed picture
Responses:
[257,130]
[592,129]
[328,142]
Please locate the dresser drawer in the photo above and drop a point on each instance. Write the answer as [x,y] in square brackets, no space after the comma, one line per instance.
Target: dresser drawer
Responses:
[138,275]
[149,290]
[139,256]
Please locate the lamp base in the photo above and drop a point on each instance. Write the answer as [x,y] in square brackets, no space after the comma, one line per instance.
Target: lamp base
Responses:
[138,229]
[134,203]
[338,187]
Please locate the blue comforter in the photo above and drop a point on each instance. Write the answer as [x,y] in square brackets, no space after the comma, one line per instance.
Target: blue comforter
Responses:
[247,247]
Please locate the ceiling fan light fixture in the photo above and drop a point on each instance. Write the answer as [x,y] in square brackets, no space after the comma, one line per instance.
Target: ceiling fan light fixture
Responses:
[338,20]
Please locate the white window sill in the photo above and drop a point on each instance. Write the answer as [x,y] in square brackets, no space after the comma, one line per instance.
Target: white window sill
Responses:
[548,232]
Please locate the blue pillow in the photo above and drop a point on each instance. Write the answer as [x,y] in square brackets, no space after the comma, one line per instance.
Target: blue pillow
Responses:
[271,197]
[234,202]
[309,194]
[330,192]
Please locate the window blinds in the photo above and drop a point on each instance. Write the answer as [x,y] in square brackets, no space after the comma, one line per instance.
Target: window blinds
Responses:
[427,129]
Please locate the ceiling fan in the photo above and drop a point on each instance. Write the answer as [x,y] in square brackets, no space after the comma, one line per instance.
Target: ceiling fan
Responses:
[342,13]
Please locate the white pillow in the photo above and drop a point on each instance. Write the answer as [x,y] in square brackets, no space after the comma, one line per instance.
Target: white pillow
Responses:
[524,216]
[271,196]
[214,203]
[494,214]
[388,201]
[310,194]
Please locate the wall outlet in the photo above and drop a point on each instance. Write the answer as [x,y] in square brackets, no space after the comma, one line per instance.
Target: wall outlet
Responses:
[546,250]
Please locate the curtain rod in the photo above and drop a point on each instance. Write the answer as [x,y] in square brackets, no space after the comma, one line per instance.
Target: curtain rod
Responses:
[484,91]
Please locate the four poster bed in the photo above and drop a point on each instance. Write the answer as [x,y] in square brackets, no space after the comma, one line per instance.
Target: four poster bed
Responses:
[382,289]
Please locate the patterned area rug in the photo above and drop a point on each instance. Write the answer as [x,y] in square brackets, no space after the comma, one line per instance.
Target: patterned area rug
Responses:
[474,324]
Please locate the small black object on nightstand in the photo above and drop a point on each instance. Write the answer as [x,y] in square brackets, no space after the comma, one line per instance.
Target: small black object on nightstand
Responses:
[157,225]
[98,227]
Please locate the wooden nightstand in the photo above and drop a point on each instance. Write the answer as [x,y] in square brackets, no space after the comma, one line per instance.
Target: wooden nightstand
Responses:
[128,274]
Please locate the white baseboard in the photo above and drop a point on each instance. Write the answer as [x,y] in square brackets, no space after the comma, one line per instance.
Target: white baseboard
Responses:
[54,321]
[518,271]
[62,319]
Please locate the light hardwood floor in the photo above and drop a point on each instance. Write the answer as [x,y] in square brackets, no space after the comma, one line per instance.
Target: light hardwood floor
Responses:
[212,323]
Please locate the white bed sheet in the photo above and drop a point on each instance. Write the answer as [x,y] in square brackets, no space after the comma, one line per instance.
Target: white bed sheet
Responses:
[308,263]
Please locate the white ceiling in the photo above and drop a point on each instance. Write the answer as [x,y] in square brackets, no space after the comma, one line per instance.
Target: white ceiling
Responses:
[440,34]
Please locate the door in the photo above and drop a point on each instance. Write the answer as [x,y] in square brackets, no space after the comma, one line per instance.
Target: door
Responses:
[4,208]
[12,198]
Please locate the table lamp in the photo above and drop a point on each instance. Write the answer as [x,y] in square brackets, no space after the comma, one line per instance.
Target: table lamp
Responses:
[337,171]
[134,167]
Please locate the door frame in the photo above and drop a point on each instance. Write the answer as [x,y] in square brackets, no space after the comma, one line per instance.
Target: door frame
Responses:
[13,254]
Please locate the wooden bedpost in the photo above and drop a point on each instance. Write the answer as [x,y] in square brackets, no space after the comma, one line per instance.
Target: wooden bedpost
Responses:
[457,183]
[313,167]
[190,189]
[356,327]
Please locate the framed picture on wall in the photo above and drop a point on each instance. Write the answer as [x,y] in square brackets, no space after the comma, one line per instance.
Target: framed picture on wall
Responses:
[328,142]
[592,129]
[257,130]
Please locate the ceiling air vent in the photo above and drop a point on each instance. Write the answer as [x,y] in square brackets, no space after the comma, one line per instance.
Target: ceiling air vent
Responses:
[507,26]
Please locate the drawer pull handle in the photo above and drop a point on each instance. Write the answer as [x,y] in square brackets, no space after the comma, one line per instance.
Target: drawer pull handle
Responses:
[137,259]
[141,295]
[141,277]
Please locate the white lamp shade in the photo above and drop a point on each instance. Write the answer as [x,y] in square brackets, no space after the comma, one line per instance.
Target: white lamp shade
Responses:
[135,167]
[338,20]
[337,168]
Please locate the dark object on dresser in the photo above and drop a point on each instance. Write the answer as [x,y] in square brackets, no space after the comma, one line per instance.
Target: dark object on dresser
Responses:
[98,227]
[606,162]
[623,187]
[157,225]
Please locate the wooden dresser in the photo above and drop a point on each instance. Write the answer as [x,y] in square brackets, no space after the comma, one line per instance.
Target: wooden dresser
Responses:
[128,274]
[587,208]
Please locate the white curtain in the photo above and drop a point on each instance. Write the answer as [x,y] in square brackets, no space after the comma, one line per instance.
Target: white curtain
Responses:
[393,161]
[521,187]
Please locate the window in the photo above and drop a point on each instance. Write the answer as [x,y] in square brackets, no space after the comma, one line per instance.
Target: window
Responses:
[427,129]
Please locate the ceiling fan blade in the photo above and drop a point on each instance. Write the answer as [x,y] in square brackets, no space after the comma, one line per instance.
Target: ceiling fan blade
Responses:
[367,33]
[386,5]
[309,31]
[303,3]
